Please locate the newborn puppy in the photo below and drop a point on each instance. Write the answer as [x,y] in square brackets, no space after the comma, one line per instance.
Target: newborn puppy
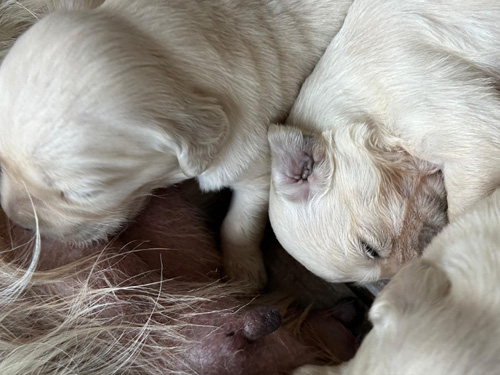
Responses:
[406,89]
[439,314]
[99,107]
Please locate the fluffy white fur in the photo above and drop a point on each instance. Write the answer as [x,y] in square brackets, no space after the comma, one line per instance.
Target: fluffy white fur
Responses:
[406,90]
[439,314]
[99,107]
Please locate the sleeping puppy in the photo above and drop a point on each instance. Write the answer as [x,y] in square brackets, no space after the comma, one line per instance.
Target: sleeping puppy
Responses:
[100,107]
[406,90]
[439,314]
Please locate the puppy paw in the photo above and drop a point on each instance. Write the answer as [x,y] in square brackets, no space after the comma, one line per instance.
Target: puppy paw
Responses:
[246,266]
[315,370]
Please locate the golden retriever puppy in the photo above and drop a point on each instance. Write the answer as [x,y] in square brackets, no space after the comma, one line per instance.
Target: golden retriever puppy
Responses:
[406,90]
[101,106]
[440,314]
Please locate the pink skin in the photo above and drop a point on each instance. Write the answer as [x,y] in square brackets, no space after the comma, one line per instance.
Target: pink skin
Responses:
[176,229]
[228,338]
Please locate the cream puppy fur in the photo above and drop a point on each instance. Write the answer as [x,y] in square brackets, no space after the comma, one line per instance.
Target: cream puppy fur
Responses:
[406,89]
[440,314]
[99,107]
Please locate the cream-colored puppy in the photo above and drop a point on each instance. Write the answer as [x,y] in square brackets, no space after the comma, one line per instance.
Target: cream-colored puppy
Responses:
[99,107]
[440,314]
[406,89]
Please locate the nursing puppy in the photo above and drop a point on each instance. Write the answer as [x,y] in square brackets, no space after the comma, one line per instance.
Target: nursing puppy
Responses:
[439,314]
[99,107]
[406,90]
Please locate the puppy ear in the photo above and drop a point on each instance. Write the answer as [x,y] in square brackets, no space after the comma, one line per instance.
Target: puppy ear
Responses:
[298,162]
[419,285]
[199,136]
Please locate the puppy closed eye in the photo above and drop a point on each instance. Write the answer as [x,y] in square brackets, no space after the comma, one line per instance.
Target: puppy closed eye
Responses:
[369,250]
[75,197]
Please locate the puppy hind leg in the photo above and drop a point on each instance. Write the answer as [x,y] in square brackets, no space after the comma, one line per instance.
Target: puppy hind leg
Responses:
[242,232]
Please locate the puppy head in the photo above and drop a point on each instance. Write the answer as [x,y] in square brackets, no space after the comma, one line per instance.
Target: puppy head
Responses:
[414,317]
[76,199]
[347,208]
[92,118]
[433,324]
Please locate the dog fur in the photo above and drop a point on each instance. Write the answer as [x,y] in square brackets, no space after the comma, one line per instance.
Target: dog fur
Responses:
[440,314]
[99,107]
[150,302]
[406,90]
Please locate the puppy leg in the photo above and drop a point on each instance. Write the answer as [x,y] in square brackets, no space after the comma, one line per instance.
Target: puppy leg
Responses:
[467,182]
[318,370]
[242,232]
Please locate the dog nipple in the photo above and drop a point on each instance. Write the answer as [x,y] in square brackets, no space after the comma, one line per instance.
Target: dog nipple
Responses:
[260,322]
